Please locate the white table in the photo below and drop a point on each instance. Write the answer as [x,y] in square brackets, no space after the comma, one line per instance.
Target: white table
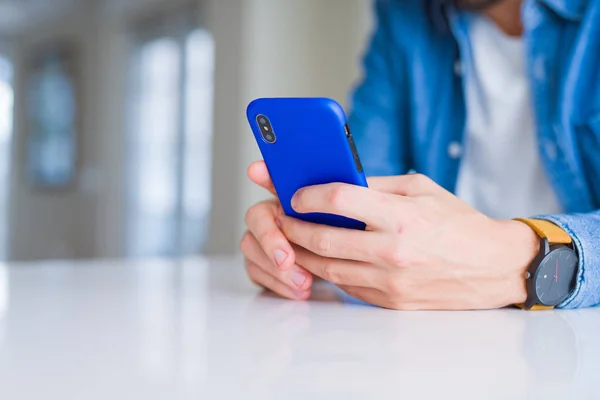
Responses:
[196,329]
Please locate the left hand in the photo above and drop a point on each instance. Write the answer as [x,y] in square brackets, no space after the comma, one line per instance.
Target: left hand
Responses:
[423,247]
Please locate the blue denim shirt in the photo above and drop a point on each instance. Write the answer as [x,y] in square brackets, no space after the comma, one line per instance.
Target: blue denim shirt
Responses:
[410,108]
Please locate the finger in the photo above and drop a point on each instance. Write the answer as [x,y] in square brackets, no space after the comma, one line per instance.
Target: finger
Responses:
[260,220]
[346,244]
[378,298]
[340,272]
[295,277]
[411,185]
[261,278]
[259,174]
[372,207]
[368,295]
[381,299]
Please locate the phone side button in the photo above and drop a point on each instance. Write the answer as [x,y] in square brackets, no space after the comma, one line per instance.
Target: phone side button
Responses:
[359,166]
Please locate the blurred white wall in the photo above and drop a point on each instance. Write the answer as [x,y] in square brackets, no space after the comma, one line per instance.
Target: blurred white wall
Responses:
[87,220]
[263,48]
[50,224]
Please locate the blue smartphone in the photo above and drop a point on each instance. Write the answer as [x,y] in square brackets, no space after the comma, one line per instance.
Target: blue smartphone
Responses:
[306,142]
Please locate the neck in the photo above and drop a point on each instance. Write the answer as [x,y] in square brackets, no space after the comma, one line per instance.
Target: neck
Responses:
[506,15]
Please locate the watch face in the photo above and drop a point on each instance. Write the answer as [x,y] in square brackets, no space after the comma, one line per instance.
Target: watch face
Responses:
[555,278]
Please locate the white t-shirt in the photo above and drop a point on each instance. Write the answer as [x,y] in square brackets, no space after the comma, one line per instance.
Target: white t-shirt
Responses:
[501,173]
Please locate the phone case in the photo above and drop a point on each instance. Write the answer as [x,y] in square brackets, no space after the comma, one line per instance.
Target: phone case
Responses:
[313,145]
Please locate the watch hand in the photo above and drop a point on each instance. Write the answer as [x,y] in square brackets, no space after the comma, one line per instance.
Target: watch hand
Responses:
[556,276]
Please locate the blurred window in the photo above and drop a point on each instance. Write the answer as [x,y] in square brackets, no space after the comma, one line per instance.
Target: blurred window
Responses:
[170,145]
[52,119]
[6,126]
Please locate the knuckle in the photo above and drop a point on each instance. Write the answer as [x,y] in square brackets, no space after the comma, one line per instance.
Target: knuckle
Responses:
[420,178]
[420,181]
[330,273]
[338,196]
[259,211]
[278,209]
[322,243]
[385,199]
[246,243]
[250,213]
[396,257]
[267,237]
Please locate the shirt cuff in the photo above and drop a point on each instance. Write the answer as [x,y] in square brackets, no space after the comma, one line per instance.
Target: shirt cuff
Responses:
[583,229]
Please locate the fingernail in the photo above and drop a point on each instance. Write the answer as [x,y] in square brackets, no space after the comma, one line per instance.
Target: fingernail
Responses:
[298,278]
[280,256]
[294,201]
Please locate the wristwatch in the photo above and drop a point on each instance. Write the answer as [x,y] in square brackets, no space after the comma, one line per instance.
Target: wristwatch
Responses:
[551,276]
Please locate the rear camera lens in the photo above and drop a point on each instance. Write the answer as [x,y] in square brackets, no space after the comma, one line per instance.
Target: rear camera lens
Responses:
[266,130]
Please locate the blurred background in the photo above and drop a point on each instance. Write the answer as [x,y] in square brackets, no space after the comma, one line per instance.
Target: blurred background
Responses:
[122,122]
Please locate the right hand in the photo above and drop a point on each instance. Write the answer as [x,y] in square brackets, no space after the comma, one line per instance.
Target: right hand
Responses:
[270,259]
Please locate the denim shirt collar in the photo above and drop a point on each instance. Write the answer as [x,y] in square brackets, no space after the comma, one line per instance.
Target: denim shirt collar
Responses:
[567,9]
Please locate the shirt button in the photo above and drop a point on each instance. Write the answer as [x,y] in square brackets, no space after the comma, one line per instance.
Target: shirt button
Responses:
[458,68]
[455,150]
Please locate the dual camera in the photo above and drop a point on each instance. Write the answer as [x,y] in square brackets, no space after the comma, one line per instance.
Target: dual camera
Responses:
[266,129]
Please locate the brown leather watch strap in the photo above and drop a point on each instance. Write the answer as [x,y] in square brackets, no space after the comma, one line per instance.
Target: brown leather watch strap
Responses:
[548,230]
[537,307]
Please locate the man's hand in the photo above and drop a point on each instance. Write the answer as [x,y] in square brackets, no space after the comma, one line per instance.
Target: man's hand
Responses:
[270,259]
[423,248]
